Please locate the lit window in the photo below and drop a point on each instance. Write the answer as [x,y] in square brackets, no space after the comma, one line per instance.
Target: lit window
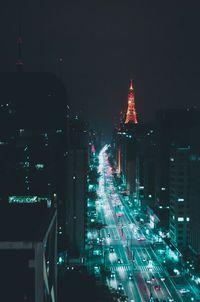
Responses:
[171,159]
[180,199]
[187,218]
[180,218]
[39,166]
[163,189]
[26,164]
[193,157]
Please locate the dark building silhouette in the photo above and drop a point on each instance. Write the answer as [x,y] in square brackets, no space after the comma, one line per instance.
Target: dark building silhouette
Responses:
[194,204]
[33,137]
[170,175]
[184,194]
[33,161]
[76,185]
[159,162]
[28,253]
[172,127]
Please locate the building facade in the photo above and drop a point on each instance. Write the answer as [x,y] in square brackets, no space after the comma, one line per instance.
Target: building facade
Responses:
[28,253]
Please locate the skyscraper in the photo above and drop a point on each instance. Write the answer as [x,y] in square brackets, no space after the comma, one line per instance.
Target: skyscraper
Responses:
[76,185]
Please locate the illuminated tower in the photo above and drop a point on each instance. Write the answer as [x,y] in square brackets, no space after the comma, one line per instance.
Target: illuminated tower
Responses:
[131,116]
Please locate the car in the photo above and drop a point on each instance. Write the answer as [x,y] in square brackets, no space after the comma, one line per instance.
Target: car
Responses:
[153,278]
[112,275]
[119,261]
[120,287]
[130,276]
[111,249]
[157,287]
[108,235]
[184,290]
[97,252]
[97,271]
[162,279]
[141,238]
[170,299]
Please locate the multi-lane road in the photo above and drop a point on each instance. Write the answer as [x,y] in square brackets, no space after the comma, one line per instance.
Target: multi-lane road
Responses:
[135,269]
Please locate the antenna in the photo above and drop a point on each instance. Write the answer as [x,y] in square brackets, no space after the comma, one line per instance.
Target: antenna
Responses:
[19,62]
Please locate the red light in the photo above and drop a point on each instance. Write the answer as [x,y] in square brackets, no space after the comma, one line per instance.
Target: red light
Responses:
[93,149]
[131,116]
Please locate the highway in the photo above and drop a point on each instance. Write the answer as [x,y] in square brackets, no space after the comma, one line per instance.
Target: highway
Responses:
[135,269]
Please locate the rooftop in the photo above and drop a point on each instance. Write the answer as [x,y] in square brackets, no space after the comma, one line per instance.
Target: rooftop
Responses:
[24,222]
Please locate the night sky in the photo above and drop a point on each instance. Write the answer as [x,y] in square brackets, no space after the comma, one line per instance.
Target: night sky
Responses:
[105,43]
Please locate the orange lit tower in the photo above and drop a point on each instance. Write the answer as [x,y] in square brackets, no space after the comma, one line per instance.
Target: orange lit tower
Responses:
[131,116]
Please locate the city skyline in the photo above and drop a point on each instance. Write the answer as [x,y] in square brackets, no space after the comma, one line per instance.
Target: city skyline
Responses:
[100,151]
[98,47]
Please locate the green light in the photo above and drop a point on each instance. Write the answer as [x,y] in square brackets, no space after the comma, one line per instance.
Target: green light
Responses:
[39,166]
[23,199]
[60,260]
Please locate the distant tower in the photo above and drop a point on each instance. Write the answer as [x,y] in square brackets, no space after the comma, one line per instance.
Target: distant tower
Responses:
[60,67]
[19,62]
[131,116]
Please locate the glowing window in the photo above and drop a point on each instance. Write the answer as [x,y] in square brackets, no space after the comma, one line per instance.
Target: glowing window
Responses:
[39,166]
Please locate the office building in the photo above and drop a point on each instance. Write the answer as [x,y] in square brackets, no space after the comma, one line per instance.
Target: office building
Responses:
[28,253]
[76,185]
